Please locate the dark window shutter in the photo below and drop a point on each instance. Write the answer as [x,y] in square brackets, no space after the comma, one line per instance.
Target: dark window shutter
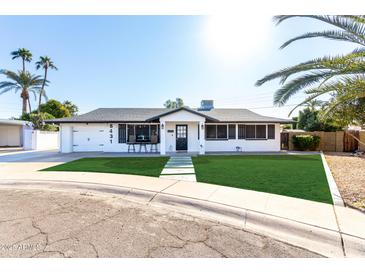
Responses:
[122,133]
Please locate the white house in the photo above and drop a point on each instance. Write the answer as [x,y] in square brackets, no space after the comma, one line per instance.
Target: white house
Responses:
[13,132]
[18,133]
[206,129]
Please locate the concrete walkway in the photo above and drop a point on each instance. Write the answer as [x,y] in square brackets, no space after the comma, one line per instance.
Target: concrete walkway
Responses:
[179,168]
[332,231]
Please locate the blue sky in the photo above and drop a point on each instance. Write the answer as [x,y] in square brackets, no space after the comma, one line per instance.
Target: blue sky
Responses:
[141,61]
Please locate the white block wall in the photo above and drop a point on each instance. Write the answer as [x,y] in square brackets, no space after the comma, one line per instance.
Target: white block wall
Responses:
[40,140]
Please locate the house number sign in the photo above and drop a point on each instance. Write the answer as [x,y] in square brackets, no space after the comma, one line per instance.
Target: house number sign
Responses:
[111,133]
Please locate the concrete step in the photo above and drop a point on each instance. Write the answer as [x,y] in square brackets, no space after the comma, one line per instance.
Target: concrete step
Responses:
[178,171]
[182,177]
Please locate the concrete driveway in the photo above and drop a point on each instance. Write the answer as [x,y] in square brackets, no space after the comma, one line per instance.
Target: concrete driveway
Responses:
[36,223]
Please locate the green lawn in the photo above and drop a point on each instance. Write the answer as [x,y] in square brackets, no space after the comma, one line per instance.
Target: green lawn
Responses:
[300,176]
[147,166]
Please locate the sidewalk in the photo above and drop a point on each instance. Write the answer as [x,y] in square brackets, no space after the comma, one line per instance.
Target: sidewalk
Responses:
[328,230]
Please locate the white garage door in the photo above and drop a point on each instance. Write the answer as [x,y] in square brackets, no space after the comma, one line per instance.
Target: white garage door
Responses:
[10,136]
[88,138]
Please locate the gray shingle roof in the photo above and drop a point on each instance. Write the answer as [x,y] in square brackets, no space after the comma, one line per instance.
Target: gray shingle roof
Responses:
[146,114]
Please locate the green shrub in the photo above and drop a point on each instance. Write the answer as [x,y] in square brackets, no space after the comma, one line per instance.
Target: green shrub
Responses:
[306,142]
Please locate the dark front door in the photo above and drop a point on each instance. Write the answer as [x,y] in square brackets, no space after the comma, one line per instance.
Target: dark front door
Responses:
[181,137]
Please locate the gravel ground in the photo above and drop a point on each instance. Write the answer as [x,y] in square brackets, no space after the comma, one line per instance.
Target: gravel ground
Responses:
[37,223]
[349,174]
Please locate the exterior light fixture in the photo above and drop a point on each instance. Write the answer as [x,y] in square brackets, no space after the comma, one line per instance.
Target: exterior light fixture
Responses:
[202,126]
[162,126]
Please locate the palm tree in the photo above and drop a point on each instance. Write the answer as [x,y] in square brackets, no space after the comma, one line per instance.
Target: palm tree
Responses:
[327,75]
[45,63]
[22,53]
[22,81]
[26,56]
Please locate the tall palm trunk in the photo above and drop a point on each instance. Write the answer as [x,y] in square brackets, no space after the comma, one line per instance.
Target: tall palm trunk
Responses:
[25,100]
[41,91]
[30,107]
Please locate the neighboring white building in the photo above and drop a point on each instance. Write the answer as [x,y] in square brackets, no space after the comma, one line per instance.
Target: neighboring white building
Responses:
[13,132]
[206,129]
[18,133]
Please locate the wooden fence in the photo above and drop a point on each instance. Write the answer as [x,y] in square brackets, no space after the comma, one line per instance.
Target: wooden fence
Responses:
[338,141]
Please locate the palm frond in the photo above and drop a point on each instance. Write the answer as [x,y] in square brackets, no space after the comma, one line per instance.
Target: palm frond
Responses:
[330,34]
[307,100]
[283,94]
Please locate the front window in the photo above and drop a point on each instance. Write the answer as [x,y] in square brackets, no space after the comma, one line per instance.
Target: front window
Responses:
[250,131]
[216,132]
[260,131]
[139,133]
[222,131]
[255,131]
[211,131]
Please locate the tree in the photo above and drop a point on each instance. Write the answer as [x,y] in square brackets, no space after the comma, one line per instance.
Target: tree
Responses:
[310,120]
[45,63]
[22,81]
[37,120]
[72,108]
[24,54]
[349,113]
[50,110]
[178,103]
[326,75]
[55,108]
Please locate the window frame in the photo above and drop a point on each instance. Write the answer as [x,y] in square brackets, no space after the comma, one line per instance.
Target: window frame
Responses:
[216,132]
[268,132]
[265,132]
[241,128]
[255,137]
[133,126]
[230,137]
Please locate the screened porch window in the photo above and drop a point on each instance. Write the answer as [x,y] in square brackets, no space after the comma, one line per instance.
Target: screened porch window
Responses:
[255,132]
[214,132]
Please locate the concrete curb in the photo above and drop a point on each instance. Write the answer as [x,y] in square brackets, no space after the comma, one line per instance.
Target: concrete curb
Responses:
[321,240]
[335,193]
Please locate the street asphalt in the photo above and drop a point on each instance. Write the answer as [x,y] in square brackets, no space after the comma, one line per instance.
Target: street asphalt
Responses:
[42,223]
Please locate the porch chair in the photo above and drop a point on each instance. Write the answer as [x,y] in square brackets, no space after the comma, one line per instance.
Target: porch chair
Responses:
[154,142]
[131,143]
